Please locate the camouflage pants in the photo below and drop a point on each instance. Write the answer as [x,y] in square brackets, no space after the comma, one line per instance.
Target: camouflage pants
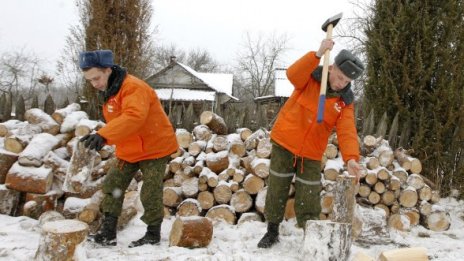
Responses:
[283,168]
[118,179]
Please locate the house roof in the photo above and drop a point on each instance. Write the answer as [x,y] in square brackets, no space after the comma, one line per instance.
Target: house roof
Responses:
[185,94]
[220,82]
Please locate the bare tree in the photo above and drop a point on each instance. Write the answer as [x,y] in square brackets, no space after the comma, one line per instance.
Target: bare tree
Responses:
[257,61]
[201,61]
[163,55]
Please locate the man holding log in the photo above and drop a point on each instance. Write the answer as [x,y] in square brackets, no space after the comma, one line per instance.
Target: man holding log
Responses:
[299,139]
[144,138]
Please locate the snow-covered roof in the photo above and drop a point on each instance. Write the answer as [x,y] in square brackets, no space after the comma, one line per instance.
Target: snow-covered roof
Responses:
[185,94]
[283,87]
[221,82]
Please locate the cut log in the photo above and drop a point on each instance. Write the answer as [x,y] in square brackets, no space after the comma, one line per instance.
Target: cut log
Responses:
[59,239]
[72,120]
[260,201]
[16,143]
[29,179]
[222,213]
[8,126]
[364,190]
[176,164]
[90,213]
[344,201]
[249,216]
[188,207]
[416,181]
[374,197]
[172,196]
[241,201]
[425,208]
[327,199]
[237,147]
[202,132]
[413,215]
[217,162]
[326,240]
[399,222]
[388,198]
[214,122]
[331,151]
[252,141]
[379,187]
[394,183]
[253,184]
[191,232]
[190,187]
[7,160]
[403,158]
[371,177]
[60,115]
[370,225]
[86,126]
[435,197]
[42,119]
[383,174]
[438,220]
[372,163]
[184,138]
[416,166]
[408,197]
[222,193]
[410,254]
[384,207]
[196,147]
[290,209]
[244,133]
[386,156]
[425,193]
[206,199]
[260,167]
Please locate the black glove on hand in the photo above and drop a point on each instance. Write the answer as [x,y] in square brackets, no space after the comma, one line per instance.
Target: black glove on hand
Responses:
[93,141]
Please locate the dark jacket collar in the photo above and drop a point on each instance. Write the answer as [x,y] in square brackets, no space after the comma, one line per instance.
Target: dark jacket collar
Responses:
[115,80]
[346,94]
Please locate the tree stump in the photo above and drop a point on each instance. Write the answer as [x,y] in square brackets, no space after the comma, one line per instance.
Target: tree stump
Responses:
[326,240]
[60,238]
[191,232]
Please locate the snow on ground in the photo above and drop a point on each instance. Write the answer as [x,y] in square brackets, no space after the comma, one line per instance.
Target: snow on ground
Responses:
[19,239]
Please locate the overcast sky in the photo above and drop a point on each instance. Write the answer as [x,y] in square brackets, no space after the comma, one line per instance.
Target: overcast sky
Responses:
[40,26]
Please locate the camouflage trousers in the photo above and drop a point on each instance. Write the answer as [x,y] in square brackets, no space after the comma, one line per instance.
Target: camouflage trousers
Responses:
[284,166]
[118,179]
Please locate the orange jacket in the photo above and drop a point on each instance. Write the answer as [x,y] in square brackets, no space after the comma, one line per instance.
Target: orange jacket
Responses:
[137,123]
[296,128]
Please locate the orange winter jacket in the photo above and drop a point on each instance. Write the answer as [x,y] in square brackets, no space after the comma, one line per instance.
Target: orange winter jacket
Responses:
[296,128]
[137,123]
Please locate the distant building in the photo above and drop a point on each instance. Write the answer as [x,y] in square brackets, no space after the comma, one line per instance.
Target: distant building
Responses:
[180,84]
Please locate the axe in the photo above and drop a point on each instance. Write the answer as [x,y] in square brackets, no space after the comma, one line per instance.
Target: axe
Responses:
[326,27]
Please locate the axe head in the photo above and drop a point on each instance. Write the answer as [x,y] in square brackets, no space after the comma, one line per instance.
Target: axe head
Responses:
[332,20]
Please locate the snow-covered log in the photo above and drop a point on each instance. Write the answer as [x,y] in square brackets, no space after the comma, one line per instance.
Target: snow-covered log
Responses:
[45,121]
[72,120]
[80,167]
[40,145]
[215,122]
[29,179]
[8,126]
[191,232]
[253,184]
[326,240]
[189,207]
[7,159]
[222,213]
[59,239]
[241,201]
[344,201]
[9,200]
[217,162]
[60,114]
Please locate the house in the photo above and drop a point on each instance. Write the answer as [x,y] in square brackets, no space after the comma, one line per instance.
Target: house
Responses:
[281,91]
[179,84]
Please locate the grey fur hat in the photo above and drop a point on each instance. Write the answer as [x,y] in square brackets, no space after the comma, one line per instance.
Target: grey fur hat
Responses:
[98,58]
[349,64]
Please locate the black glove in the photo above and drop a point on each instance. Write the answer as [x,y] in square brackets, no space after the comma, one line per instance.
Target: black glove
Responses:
[93,141]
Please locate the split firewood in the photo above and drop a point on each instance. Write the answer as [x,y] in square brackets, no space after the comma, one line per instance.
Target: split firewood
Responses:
[59,239]
[9,199]
[184,138]
[90,213]
[60,114]
[361,256]
[189,207]
[80,168]
[7,159]
[327,240]
[327,199]
[215,122]
[413,254]
[42,119]
[29,179]
[344,200]
[40,145]
[191,232]
[222,213]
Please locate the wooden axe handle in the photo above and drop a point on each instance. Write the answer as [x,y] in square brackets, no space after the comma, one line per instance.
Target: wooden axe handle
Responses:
[325,73]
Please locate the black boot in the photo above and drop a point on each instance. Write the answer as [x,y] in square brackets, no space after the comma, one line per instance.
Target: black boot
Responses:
[271,237]
[152,236]
[106,236]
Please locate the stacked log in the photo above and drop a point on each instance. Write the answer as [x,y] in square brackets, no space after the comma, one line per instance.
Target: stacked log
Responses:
[392,182]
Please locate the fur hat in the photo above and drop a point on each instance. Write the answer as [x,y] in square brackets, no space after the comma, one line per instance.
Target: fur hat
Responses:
[98,58]
[349,64]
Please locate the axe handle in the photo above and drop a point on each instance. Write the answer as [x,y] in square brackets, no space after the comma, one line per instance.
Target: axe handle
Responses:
[325,73]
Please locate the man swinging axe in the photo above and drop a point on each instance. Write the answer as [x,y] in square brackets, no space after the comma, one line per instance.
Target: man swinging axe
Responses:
[299,141]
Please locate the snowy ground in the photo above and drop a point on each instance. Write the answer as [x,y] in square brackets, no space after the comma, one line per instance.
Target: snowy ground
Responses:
[19,239]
